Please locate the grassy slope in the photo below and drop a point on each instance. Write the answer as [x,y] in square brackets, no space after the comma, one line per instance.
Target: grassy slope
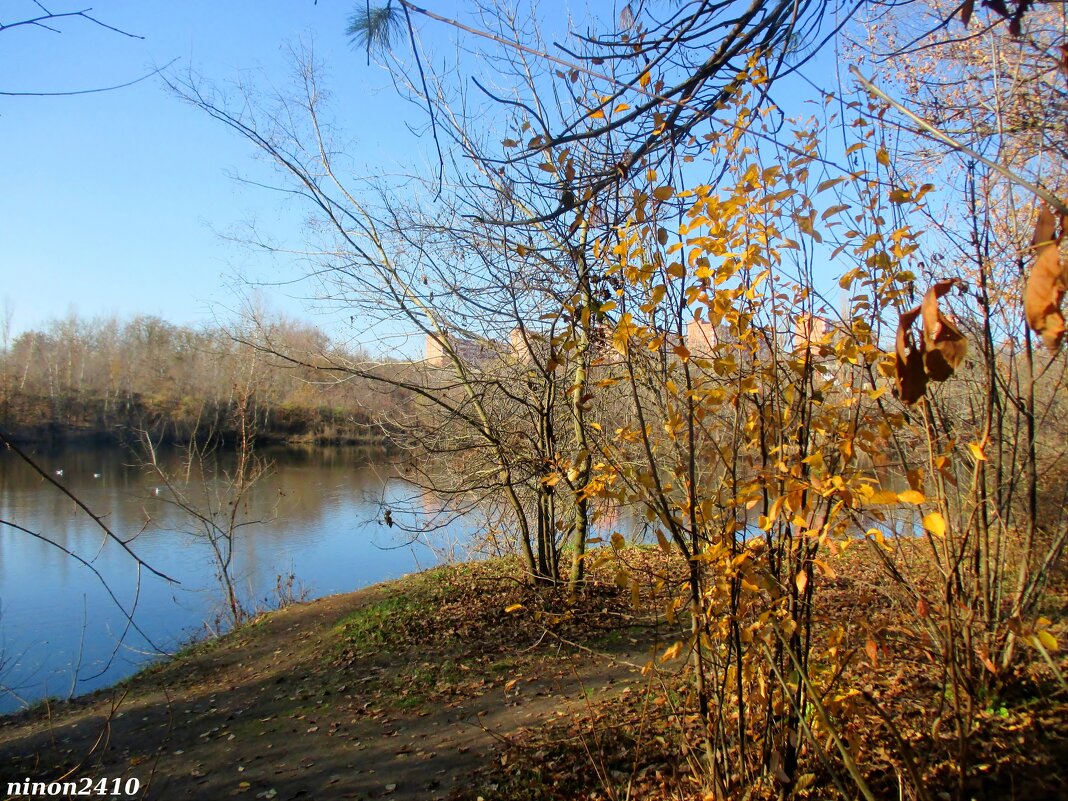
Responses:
[406,689]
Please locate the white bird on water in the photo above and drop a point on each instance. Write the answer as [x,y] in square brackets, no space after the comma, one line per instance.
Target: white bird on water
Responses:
[59,473]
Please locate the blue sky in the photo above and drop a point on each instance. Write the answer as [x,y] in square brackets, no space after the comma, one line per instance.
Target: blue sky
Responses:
[118,202]
[114,203]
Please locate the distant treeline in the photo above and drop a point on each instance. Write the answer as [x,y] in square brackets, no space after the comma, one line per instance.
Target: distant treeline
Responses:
[111,380]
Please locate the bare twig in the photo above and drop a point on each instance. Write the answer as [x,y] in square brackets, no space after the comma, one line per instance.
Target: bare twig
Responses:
[98,519]
[946,139]
[73,92]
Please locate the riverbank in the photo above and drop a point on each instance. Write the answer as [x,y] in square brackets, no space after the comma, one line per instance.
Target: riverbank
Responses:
[402,689]
[92,423]
[428,688]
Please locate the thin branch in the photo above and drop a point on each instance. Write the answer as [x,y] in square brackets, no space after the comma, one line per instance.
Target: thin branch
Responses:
[87,564]
[145,77]
[426,93]
[98,519]
[48,16]
[949,141]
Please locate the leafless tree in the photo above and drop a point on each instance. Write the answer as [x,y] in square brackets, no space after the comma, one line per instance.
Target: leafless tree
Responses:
[210,497]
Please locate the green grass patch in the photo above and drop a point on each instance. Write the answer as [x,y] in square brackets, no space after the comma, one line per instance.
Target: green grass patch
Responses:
[403,614]
[378,623]
[411,701]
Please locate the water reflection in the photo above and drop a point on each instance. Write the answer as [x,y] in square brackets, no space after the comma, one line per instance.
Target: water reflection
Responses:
[60,629]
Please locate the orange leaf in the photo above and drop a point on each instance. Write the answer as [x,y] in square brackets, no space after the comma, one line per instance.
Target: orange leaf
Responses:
[872,650]
[672,652]
[1047,282]
[663,542]
[825,568]
[987,663]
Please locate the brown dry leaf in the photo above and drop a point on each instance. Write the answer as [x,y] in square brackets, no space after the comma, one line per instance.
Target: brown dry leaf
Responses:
[911,377]
[1001,8]
[1047,282]
[944,345]
[776,768]
[997,6]
[915,479]
[1016,23]
[966,11]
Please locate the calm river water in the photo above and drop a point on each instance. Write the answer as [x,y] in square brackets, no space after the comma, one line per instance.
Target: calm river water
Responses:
[62,633]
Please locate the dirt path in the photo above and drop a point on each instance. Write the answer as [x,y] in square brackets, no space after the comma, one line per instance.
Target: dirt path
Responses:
[420,688]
